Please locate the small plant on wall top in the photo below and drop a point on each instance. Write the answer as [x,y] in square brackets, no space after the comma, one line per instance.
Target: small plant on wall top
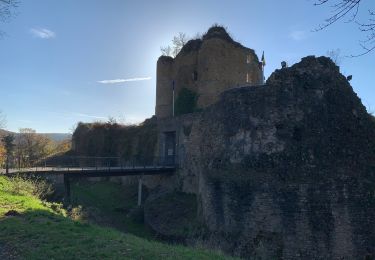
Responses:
[186,102]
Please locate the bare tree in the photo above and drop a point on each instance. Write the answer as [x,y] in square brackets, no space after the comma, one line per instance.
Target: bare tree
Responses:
[350,9]
[7,10]
[178,42]
[335,56]
[2,120]
[8,146]
[111,120]
[166,51]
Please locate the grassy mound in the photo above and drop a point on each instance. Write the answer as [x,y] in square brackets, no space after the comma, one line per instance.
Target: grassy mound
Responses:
[32,229]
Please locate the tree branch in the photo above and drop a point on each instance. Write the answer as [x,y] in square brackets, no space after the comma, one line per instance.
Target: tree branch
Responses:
[343,8]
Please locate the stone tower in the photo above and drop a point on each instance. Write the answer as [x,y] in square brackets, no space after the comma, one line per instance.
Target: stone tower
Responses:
[207,67]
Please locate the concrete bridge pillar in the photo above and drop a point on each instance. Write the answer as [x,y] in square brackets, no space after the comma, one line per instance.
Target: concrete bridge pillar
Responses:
[140,191]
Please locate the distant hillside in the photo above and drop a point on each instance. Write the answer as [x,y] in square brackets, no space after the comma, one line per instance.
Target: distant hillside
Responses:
[53,136]
[4,132]
[58,136]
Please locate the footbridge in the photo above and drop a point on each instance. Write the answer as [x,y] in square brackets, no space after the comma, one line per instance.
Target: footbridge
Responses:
[76,167]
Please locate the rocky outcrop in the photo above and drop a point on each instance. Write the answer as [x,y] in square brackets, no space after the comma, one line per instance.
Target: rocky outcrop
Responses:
[287,170]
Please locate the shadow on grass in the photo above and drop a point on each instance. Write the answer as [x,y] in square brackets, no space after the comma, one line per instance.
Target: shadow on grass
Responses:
[43,234]
[112,205]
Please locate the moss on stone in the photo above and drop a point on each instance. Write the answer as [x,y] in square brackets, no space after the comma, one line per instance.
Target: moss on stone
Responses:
[186,102]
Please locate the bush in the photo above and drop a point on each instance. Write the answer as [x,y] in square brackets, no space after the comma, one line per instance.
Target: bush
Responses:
[186,102]
[36,187]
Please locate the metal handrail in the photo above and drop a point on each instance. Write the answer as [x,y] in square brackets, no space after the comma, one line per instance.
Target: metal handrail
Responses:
[71,163]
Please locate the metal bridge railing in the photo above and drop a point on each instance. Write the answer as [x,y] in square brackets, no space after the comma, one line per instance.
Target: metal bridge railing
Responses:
[74,163]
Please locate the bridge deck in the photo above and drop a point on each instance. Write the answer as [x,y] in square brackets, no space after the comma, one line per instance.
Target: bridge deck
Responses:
[71,170]
[96,171]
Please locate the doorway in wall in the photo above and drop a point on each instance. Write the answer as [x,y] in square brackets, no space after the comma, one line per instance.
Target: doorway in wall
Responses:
[170,148]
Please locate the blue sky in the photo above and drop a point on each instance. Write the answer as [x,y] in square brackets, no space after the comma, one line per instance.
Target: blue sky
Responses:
[56,53]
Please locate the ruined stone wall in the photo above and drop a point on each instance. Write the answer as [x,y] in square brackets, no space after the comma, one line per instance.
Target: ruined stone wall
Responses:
[285,170]
[207,67]
[288,169]
[127,142]
[186,177]
[163,86]
[221,66]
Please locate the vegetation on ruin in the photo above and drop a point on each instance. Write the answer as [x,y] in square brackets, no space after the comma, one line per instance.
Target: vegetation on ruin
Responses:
[186,102]
[112,139]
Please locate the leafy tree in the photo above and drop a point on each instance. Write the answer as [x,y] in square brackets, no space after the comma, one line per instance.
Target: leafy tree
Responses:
[2,154]
[350,9]
[63,146]
[31,147]
[8,144]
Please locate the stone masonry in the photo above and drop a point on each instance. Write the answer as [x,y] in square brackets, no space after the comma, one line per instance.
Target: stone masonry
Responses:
[285,170]
[206,66]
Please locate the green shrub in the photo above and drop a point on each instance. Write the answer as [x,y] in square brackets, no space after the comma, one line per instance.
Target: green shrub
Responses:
[186,102]
[36,187]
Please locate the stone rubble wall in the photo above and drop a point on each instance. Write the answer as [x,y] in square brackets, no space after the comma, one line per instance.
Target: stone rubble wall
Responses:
[219,64]
[285,170]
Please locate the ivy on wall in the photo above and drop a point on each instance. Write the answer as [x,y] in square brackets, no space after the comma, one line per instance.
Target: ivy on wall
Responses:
[186,102]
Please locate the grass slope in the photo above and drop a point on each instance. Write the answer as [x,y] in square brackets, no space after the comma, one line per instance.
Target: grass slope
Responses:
[112,204]
[42,231]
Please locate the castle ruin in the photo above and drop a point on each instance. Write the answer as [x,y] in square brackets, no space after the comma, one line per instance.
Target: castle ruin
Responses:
[285,170]
[282,170]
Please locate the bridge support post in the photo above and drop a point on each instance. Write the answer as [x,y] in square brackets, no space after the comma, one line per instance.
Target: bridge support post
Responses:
[7,165]
[67,189]
[140,191]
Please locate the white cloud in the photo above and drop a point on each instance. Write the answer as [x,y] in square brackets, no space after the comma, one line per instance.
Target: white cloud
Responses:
[89,116]
[42,33]
[115,81]
[298,35]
